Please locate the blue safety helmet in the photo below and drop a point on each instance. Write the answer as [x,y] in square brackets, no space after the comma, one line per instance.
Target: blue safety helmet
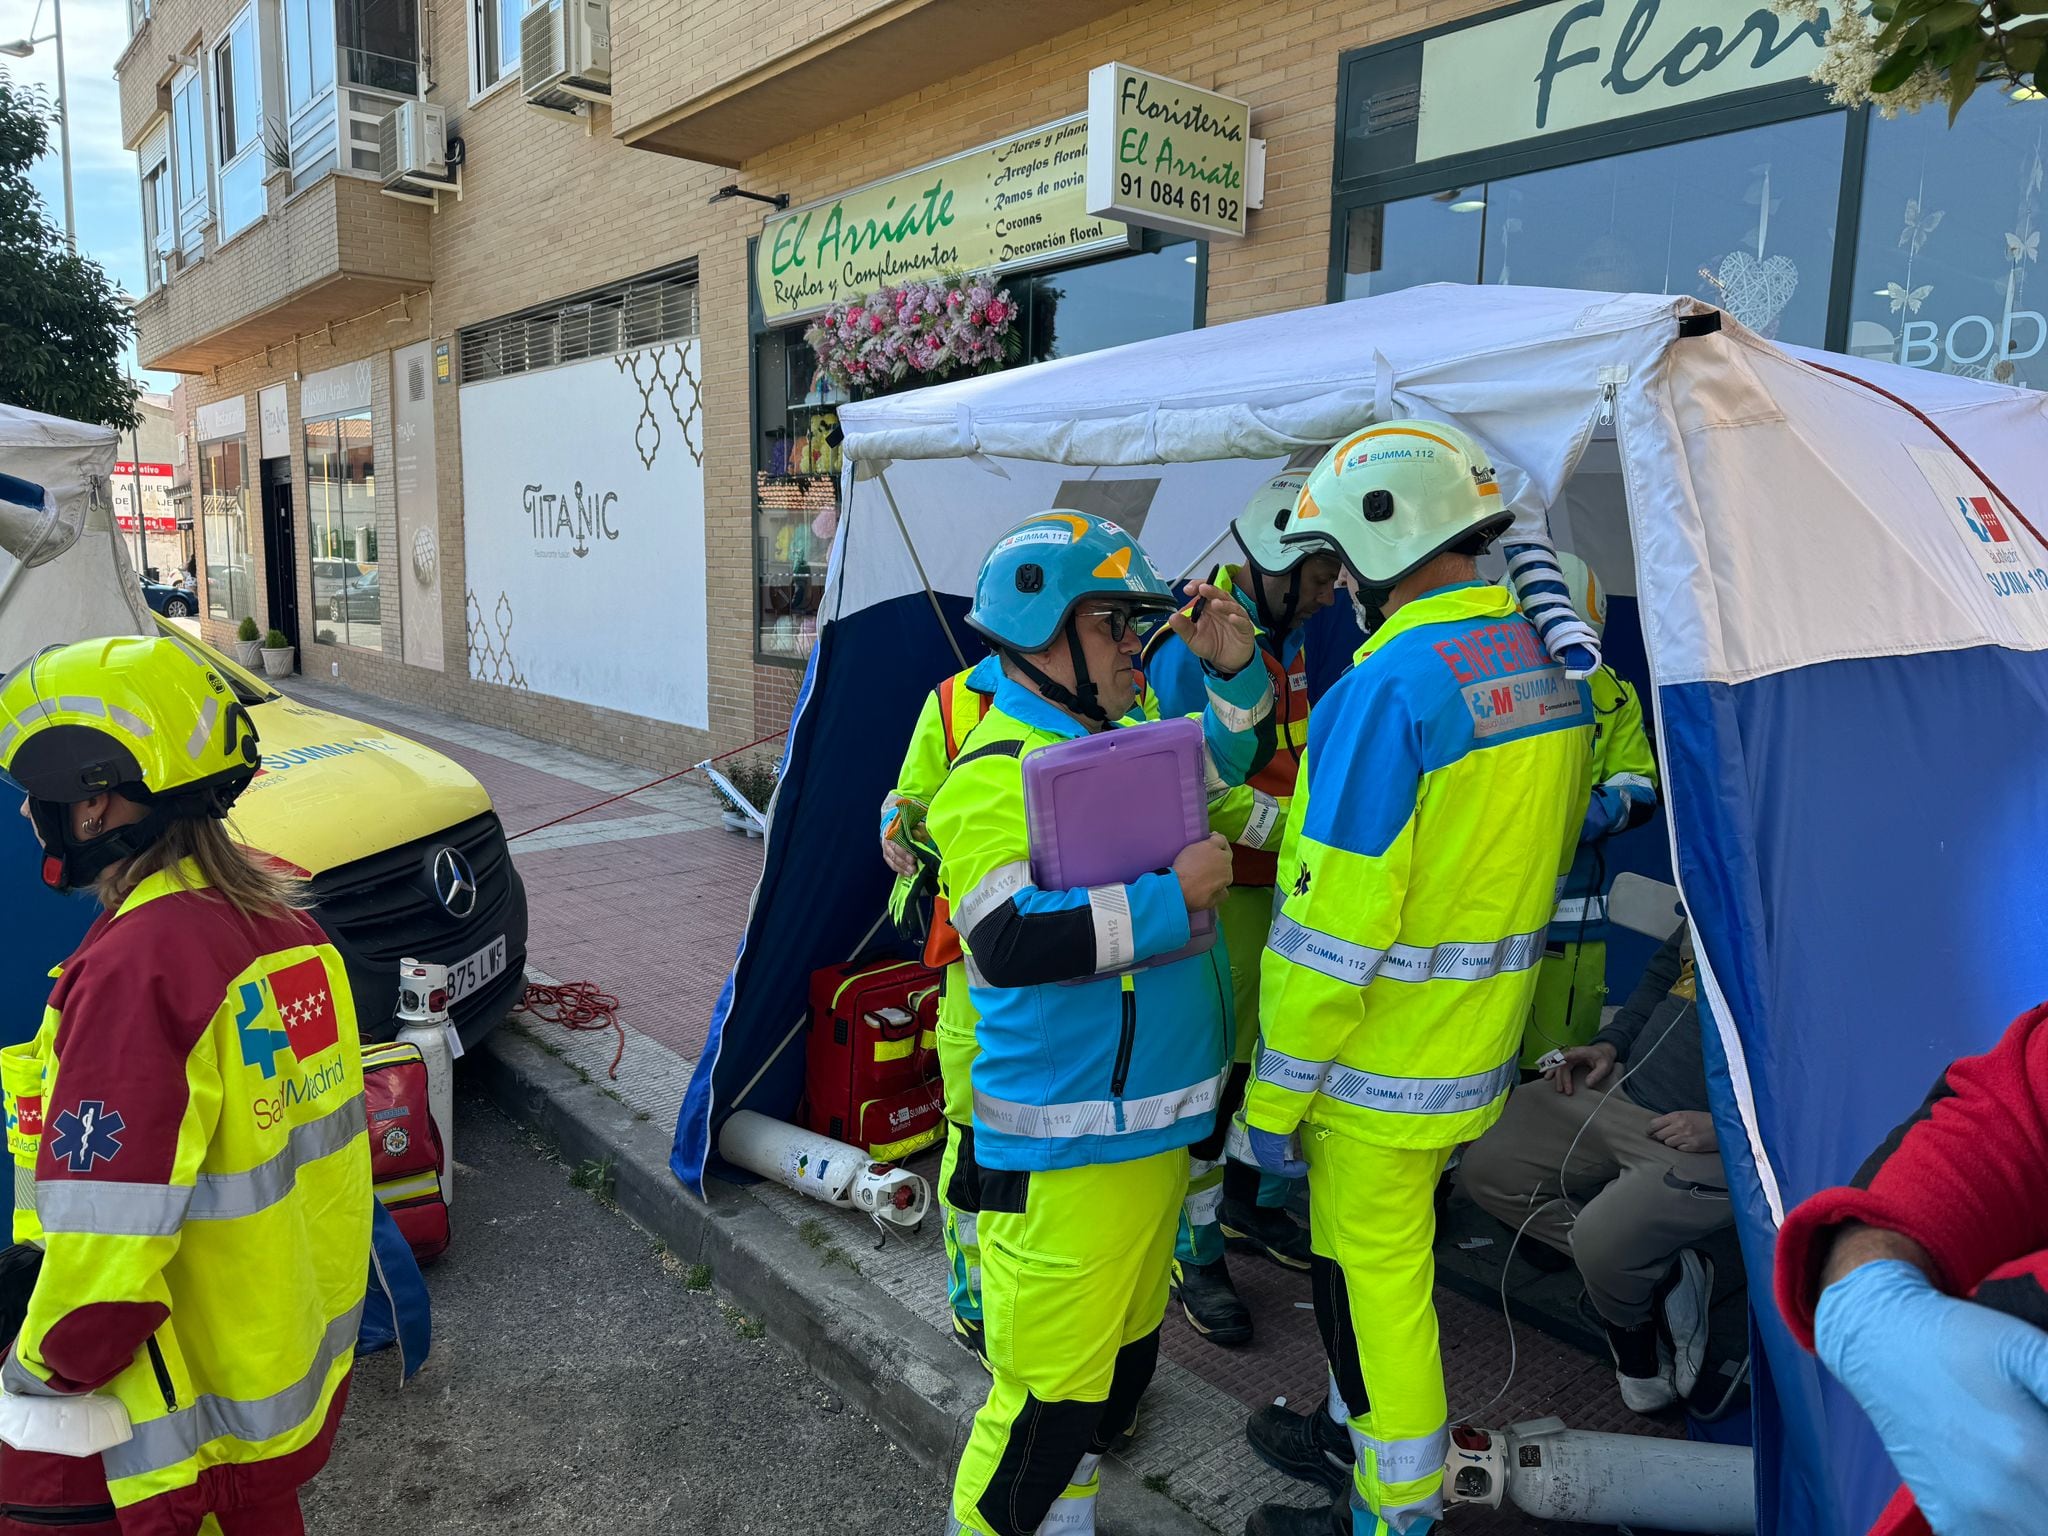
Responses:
[1036,579]
[1042,569]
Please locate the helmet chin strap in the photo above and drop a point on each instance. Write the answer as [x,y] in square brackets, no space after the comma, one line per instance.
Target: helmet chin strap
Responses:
[1281,623]
[71,864]
[1082,700]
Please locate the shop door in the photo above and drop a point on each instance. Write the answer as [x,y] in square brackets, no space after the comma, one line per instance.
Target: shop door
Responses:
[280,548]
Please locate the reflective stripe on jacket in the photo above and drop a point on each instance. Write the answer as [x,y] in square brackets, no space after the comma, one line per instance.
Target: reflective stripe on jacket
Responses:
[1621,763]
[1440,793]
[1107,1069]
[1253,815]
[203,1188]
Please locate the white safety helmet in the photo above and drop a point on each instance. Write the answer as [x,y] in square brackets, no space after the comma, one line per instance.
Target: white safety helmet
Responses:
[1390,498]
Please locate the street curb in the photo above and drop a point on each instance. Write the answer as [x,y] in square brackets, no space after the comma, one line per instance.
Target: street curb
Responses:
[918,1386]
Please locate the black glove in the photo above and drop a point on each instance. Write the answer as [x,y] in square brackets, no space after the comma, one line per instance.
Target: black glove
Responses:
[19,1266]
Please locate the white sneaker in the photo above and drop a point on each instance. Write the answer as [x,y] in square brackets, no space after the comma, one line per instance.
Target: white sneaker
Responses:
[1645,1394]
[1685,1318]
[1648,1394]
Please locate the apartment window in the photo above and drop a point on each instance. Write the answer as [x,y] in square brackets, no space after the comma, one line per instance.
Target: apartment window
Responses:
[308,54]
[495,28]
[188,155]
[238,126]
[341,507]
[159,204]
[381,40]
[138,15]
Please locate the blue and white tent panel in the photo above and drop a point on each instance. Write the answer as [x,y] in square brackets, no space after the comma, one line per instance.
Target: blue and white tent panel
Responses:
[1846,624]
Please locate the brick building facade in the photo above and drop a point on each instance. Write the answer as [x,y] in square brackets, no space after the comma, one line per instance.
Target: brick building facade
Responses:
[558,216]
[551,207]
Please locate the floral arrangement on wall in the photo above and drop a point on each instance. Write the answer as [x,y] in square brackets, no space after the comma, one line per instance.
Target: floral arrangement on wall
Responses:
[918,332]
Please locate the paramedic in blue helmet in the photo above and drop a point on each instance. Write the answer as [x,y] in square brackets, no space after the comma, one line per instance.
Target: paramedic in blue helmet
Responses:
[1091,1078]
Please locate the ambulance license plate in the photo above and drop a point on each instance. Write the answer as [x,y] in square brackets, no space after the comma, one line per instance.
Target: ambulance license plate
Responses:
[474,972]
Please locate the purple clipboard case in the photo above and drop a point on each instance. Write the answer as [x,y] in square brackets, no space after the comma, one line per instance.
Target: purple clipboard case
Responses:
[1107,808]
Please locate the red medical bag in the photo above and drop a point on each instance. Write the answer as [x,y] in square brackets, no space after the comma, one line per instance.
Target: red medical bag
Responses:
[871,1072]
[405,1146]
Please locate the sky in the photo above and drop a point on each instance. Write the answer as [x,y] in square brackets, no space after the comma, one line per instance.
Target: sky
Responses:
[103,184]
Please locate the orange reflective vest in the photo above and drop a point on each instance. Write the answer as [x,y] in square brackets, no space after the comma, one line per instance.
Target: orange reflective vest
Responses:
[1275,781]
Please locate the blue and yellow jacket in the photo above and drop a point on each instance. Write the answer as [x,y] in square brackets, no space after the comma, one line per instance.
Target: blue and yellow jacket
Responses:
[1253,815]
[1101,1070]
[1442,794]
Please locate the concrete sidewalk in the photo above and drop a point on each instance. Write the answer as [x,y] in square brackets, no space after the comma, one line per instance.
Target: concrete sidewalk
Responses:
[647,898]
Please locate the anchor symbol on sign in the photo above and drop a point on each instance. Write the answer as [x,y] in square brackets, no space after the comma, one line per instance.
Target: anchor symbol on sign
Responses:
[581,548]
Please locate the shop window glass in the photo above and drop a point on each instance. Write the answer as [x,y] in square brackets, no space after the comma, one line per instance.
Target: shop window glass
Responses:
[341,511]
[1743,220]
[224,529]
[1107,303]
[1061,313]
[1949,272]
[1389,246]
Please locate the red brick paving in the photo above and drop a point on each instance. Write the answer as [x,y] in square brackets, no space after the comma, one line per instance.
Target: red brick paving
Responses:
[655,921]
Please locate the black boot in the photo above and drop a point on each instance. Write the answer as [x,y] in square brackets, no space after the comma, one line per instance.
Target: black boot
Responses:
[1212,1304]
[1271,1234]
[1333,1519]
[1311,1446]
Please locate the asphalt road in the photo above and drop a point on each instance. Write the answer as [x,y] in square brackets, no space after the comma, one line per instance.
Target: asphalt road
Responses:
[578,1383]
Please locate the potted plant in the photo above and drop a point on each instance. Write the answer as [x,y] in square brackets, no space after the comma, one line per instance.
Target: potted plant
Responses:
[755,780]
[248,648]
[278,654]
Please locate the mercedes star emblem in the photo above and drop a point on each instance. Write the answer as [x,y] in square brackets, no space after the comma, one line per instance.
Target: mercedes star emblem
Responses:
[454,882]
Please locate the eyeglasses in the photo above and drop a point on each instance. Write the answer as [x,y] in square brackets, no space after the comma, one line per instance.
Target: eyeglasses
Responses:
[1122,621]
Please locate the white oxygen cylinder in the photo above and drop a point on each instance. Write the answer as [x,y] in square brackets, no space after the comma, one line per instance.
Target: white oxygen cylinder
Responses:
[423,1021]
[824,1169]
[1555,1473]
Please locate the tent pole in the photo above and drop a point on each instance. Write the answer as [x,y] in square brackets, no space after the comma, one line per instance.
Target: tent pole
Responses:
[775,1055]
[930,596]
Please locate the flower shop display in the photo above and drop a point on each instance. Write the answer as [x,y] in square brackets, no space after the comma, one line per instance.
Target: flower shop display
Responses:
[916,333]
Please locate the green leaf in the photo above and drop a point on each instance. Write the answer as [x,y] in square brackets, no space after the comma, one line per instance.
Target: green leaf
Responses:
[1894,71]
[2025,55]
[1962,77]
[1956,13]
[1951,46]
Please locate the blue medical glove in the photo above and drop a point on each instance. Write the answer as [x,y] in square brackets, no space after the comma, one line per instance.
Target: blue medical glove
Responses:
[1277,1154]
[1579,661]
[1958,1392]
[1604,814]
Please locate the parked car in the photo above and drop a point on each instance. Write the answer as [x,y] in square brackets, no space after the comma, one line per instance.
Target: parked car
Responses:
[356,599]
[405,856]
[172,602]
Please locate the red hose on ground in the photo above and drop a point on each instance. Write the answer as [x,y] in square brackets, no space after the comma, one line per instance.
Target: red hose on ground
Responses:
[577,1005]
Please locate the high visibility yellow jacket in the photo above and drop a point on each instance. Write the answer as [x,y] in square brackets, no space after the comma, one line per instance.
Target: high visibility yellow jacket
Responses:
[1619,791]
[202,1186]
[1440,796]
[1080,1059]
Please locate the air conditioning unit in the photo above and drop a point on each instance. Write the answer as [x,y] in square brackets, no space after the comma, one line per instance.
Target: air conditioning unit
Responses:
[412,151]
[565,54]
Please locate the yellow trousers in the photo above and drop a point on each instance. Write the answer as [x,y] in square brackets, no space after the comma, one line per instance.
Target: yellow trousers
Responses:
[1074,1272]
[1372,1223]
